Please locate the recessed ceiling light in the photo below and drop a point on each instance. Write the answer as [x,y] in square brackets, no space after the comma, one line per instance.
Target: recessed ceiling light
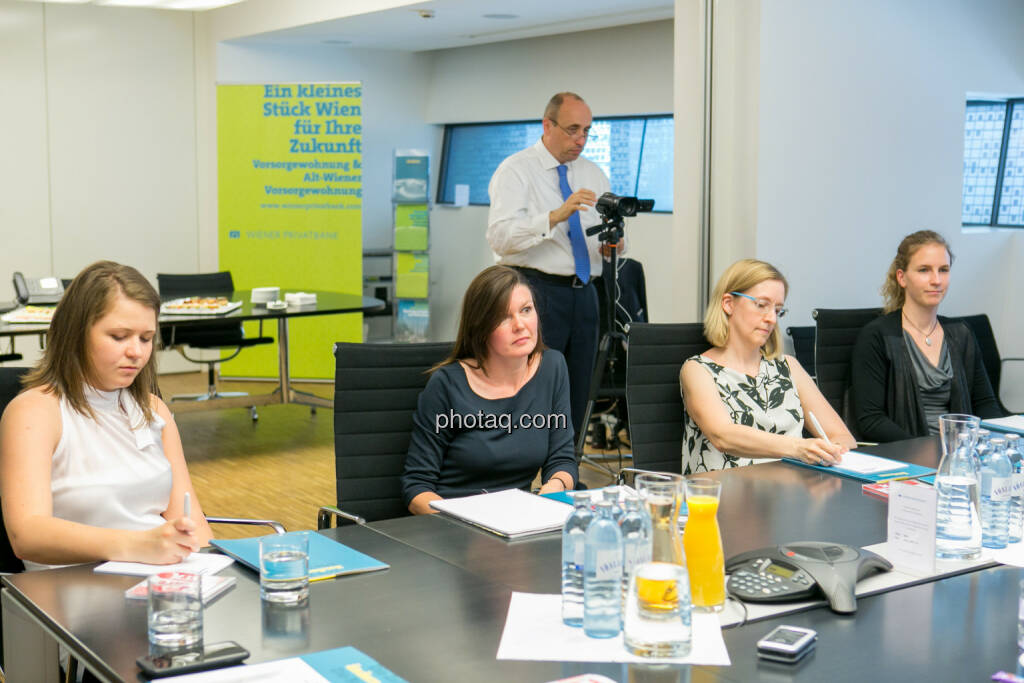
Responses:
[335,41]
[501,16]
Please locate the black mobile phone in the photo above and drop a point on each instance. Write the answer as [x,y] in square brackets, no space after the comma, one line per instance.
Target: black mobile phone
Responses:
[211,656]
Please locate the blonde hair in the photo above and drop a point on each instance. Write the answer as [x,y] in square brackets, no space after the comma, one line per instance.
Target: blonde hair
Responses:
[66,365]
[739,277]
[893,294]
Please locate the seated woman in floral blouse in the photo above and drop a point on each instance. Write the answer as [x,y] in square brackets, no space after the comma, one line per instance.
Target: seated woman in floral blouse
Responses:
[743,400]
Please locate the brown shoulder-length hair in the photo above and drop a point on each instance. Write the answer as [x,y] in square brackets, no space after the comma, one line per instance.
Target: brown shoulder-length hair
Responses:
[66,367]
[739,277]
[892,293]
[484,307]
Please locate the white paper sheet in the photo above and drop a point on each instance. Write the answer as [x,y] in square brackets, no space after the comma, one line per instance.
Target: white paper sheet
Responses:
[292,670]
[862,463]
[534,631]
[197,563]
[911,527]
[1012,554]
[462,195]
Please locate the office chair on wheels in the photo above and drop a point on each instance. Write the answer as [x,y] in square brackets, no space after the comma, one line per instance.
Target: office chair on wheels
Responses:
[221,334]
[655,356]
[376,389]
[835,337]
[982,328]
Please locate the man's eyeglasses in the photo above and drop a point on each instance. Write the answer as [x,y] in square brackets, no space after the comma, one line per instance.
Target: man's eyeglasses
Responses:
[573,132]
[763,304]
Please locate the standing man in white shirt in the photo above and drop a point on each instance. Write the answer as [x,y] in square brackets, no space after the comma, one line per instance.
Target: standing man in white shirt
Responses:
[542,202]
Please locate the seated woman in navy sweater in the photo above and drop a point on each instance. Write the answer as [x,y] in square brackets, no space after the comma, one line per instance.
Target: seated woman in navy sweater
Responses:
[497,409]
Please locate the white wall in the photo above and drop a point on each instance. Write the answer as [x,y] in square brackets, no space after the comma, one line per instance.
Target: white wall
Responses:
[861,142]
[98,134]
[627,70]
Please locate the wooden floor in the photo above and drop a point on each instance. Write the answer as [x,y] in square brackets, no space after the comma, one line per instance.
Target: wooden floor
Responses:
[280,467]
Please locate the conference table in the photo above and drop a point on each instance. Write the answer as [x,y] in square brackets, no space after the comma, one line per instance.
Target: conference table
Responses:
[438,613]
[327,303]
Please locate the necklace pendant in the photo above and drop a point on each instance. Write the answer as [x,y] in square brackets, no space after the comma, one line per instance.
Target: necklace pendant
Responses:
[928,341]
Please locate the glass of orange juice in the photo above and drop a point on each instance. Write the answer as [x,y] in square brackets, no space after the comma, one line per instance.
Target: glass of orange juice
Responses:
[702,542]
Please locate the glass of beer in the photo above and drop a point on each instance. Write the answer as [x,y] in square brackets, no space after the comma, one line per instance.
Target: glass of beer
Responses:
[657,617]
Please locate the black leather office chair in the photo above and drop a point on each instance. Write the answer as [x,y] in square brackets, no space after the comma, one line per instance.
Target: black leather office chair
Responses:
[837,330]
[982,328]
[222,334]
[656,354]
[803,345]
[376,389]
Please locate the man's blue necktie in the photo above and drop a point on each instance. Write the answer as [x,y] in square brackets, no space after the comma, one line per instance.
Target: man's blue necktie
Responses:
[576,238]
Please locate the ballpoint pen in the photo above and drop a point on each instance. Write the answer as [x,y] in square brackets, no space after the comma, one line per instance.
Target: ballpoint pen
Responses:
[817,425]
[188,505]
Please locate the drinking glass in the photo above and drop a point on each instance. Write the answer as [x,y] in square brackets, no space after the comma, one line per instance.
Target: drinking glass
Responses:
[657,621]
[702,540]
[174,613]
[284,567]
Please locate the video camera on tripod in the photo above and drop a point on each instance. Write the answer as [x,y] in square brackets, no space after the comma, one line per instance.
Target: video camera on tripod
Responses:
[612,209]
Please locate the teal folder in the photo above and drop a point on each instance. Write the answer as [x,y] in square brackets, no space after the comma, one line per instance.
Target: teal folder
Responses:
[349,665]
[899,470]
[327,558]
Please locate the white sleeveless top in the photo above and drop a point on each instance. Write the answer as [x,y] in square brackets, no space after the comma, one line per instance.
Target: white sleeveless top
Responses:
[106,473]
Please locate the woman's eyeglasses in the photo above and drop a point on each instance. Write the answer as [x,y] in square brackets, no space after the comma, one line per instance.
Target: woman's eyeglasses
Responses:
[763,304]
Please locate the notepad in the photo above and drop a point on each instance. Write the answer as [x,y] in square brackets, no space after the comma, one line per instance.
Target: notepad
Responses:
[511,514]
[1012,423]
[197,563]
[210,587]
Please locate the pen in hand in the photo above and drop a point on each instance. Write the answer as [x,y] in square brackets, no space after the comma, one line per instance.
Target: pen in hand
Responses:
[818,428]
[810,416]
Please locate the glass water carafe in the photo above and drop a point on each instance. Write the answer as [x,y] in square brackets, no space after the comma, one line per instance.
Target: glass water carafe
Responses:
[957,518]
[658,609]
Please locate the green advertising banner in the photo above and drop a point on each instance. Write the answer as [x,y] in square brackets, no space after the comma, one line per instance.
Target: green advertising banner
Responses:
[290,209]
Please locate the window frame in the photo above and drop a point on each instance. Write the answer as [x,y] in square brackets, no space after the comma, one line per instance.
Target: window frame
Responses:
[1011,103]
[447,142]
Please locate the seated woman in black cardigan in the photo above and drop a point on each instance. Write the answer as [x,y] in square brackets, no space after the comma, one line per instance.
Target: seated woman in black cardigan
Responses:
[911,365]
[497,409]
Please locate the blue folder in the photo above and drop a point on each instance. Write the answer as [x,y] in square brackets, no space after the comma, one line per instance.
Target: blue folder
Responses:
[899,470]
[327,557]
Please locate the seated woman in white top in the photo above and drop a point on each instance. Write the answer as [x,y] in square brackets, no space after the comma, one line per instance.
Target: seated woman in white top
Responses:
[742,399]
[91,464]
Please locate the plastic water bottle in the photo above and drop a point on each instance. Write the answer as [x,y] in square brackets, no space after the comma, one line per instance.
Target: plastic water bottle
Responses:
[958,526]
[613,494]
[635,526]
[574,538]
[602,575]
[1016,458]
[996,476]
[981,447]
